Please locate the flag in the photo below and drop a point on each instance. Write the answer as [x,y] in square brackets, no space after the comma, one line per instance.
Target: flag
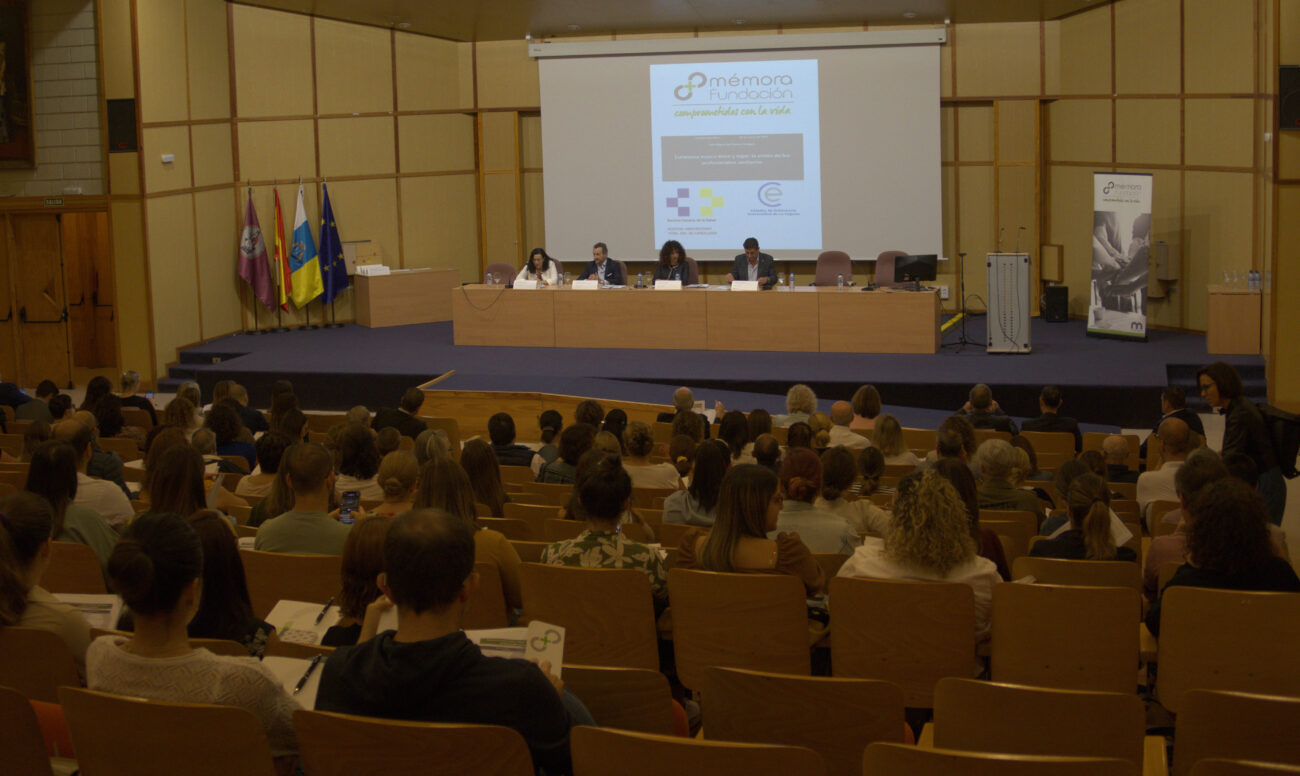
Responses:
[283,278]
[331,251]
[304,265]
[252,257]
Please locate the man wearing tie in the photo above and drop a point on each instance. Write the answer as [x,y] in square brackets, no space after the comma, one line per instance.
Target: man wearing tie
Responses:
[602,269]
[752,265]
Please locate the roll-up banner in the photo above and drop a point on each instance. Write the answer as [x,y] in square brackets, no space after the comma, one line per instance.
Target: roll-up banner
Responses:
[1121,255]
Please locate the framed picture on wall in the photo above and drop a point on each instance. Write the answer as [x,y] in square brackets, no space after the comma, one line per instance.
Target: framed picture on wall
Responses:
[17,123]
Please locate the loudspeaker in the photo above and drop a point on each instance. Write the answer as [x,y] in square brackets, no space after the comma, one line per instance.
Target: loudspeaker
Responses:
[122,137]
[1288,97]
[1058,304]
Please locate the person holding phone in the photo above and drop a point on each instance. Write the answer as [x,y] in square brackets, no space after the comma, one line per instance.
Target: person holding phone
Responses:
[540,267]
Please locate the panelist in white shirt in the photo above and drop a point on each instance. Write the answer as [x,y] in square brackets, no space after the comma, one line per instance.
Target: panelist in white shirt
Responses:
[540,267]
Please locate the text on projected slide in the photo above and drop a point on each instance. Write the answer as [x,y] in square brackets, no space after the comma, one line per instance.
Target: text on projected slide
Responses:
[736,153]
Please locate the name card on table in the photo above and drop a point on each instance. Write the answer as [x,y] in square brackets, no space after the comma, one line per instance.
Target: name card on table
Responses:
[744,285]
[586,285]
[528,284]
[668,285]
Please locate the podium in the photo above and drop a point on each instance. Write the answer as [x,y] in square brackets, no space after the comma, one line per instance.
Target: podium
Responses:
[405,296]
[1008,303]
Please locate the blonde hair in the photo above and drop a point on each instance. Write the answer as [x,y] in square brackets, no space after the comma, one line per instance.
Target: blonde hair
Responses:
[930,529]
[820,423]
[637,439]
[887,435]
[1088,501]
[1022,468]
[800,398]
[398,472]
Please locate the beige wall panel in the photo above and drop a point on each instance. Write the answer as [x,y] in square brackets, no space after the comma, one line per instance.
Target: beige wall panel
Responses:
[1079,130]
[1147,131]
[354,68]
[530,141]
[281,150]
[215,222]
[498,142]
[1218,36]
[507,76]
[1166,225]
[1017,130]
[501,220]
[975,214]
[658,35]
[173,277]
[434,143]
[166,140]
[433,74]
[1285,382]
[998,59]
[1052,57]
[1288,28]
[360,146]
[1016,189]
[209,60]
[947,133]
[161,28]
[212,156]
[1085,52]
[124,173]
[945,69]
[1288,160]
[272,63]
[534,211]
[1071,228]
[949,184]
[365,210]
[440,223]
[132,292]
[115,46]
[1219,132]
[975,133]
[1147,46]
[1217,220]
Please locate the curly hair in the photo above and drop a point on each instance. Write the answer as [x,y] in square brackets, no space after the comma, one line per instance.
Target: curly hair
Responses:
[638,440]
[930,529]
[800,398]
[1229,529]
[820,423]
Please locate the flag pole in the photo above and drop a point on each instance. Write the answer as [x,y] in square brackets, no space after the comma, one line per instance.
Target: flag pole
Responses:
[280,328]
[308,326]
[257,327]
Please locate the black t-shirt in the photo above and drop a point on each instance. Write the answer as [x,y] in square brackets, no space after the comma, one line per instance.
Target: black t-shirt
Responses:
[1275,575]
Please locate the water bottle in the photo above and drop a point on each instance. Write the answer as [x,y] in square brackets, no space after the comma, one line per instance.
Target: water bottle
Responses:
[839,281]
[1255,284]
[780,281]
[487,279]
[640,280]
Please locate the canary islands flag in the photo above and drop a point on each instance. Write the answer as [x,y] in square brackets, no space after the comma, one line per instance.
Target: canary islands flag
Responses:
[304,265]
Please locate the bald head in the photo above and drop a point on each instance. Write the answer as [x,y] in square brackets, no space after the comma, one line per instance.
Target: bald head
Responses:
[766,449]
[86,418]
[1115,448]
[841,413]
[683,399]
[981,397]
[76,434]
[1176,438]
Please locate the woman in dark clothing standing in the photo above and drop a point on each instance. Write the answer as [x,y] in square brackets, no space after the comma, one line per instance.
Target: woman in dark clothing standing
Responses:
[1244,432]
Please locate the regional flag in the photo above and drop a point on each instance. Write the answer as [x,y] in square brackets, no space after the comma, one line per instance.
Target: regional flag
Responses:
[331,252]
[304,265]
[252,257]
[283,278]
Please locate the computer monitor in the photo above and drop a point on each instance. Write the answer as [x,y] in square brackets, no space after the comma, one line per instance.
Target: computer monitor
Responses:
[918,268]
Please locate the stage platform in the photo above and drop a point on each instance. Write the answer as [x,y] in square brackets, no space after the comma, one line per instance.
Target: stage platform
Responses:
[1108,383]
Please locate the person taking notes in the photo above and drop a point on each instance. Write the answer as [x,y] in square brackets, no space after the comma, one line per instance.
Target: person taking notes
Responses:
[752,265]
[540,267]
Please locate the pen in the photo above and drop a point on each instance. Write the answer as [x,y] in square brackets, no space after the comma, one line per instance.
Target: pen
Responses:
[328,604]
[297,688]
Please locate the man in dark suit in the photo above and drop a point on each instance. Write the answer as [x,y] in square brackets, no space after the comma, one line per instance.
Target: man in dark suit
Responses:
[403,418]
[1049,405]
[752,265]
[1173,404]
[983,412]
[601,268]
[253,420]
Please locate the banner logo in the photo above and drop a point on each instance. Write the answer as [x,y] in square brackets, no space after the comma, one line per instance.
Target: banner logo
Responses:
[769,194]
[690,86]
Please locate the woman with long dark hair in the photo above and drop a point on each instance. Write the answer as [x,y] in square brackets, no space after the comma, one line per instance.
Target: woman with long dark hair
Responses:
[673,264]
[697,505]
[1244,431]
[226,612]
[540,267]
[480,463]
[52,474]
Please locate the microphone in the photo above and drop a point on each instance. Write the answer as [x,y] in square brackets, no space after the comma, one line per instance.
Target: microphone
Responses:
[1000,231]
[1018,231]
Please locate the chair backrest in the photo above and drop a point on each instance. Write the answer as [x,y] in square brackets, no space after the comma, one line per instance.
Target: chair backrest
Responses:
[529,552]
[1235,725]
[21,748]
[608,614]
[693,274]
[757,621]
[1018,719]
[12,444]
[1037,639]
[983,435]
[74,568]
[126,448]
[517,474]
[506,271]
[1126,489]
[1023,516]
[1227,640]
[275,576]
[559,529]
[120,736]
[830,264]
[597,751]
[890,759]
[625,698]
[534,514]
[910,633]
[344,745]
[834,717]
[644,497]
[545,494]
[670,534]
[884,272]
[1217,767]
[1014,535]
[134,416]
[36,663]
[1061,442]
[450,426]
[830,562]
[487,607]
[1156,512]
[511,528]
[1088,573]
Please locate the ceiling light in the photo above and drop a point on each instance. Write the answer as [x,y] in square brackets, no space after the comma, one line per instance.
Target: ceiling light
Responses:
[737,21]
[909,14]
[574,27]
[404,25]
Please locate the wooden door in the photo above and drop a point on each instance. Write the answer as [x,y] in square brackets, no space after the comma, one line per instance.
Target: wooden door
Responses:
[86,264]
[8,311]
[35,262]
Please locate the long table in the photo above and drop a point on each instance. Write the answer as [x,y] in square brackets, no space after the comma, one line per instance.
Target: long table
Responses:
[825,320]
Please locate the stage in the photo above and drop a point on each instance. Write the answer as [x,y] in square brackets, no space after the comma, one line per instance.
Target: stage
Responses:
[1107,383]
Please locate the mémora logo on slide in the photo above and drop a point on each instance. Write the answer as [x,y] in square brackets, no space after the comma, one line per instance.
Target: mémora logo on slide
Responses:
[737,87]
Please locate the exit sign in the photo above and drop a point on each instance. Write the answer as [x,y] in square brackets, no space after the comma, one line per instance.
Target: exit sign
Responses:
[54,201]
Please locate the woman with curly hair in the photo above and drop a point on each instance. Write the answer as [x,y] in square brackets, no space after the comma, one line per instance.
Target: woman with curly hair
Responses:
[1244,431]
[928,540]
[358,463]
[640,442]
[673,264]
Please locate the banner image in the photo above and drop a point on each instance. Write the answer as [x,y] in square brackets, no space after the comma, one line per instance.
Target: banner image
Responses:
[1121,252]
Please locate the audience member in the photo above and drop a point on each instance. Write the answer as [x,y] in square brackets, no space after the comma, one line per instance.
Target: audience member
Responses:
[189,391]
[801,484]
[1240,467]
[871,467]
[1201,468]
[983,412]
[697,505]
[362,563]
[639,443]
[820,424]
[866,406]
[308,528]
[996,459]
[1244,432]
[549,424]
[277,502]
[1115,450]
[888,437]
[1061,479]
[960,477]
[733,431]
[179,413]
[282,404]
[358,463]
[404,417]
[590,412]
[97,388]
[691,425]
[839,471]
[615,423]
[501,430]
[607,442]
[684,405]
[178,486]
[760,423]
[52,475]
[799,434]
[34,410]
[681,453]
[1088,537]
[1050,419]
[480,464]
[60,405]
[292,423]
[358,413]
[36,433]
[270,447]
[224,421]
[800,404]
[767,453]
[399,473]
[1158,484]
[253,420]
[1020,472]
[840,433]
[103,464]
[100,496]
[225,610]
[574,441]
[220,390]
[1173,404]
[387,440]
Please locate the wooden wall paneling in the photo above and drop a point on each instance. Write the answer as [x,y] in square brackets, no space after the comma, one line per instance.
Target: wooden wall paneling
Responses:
[432,74]
[1080,130]
[9,345]
[1086,52]
[219,285]
[115,49]
[501,219]
[123,174]
[130,276]
[164,91]
[273,70]
[946,53]
[40,298]
[1287,25]
[156,141]
[1017,195]
[1147,46]
[440,223]
[88,280]
[1288,157]
[209,65]
[975,132]
[1148,131]
[1217,36]
[173,275]
[365,210]
[436,143]
[506,76]
[352,60]
[213,155]
[998,60]
[533,210]
[1051,57]
[357,146]
[1219,132]
[500,152]
[1071,227]
[1217,219]
[271,150]
[1167,225]
[975,205]
[947,133]
[949,271]
[1017,131]
[530,141]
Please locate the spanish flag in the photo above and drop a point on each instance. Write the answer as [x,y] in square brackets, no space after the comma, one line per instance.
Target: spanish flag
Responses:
[304,264]
[284,281]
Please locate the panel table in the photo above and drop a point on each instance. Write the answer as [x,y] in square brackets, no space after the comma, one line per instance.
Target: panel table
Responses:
[628,318]
[405,296]
[885,321]
[763,320]
[484,315]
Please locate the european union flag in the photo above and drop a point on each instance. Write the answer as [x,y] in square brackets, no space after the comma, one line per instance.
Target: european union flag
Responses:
[333,267]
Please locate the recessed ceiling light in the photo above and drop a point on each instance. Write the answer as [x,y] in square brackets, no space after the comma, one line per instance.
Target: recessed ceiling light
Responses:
[737,21]
[909,14]
[574,27]
[404,25]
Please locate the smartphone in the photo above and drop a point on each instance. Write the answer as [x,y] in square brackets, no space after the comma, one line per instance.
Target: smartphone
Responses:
[214,491]
[350,501]
[148,395]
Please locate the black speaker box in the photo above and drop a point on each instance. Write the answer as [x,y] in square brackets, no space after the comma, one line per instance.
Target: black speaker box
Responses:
[122,137]
[1288,97]
[1058,304]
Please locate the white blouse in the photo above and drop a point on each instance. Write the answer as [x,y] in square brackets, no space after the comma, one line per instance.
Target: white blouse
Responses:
[549,275]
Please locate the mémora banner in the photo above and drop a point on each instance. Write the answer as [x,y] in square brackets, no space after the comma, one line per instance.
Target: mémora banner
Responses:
[1121,253]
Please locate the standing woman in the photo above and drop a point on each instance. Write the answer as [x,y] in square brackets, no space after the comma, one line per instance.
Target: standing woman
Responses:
[672,263]
[540,267]
[1244,432]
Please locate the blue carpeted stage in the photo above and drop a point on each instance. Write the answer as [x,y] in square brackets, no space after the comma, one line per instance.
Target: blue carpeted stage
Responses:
[1105,382]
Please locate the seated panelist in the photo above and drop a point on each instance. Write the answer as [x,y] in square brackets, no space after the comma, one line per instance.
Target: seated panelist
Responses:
[601,268]
[673,264]
[540,267]
[752,265]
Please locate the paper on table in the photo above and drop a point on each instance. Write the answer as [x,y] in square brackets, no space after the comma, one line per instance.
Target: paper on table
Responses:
[296,621]
[101,611]
[289,670]
[500,642]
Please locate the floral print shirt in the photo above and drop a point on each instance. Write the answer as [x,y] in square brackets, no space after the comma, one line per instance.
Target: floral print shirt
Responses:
[601,550]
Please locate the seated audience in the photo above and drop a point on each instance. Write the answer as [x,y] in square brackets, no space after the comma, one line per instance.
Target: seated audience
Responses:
[1089,536]
[191,393]
[801,484]
[1061,479]
[1114,449]
[29,409]
[697,505]
[110,422]
[549,424]
[1228,547]
[929,540]
[480,463]
[839,470]
[1024,467]
[733,431]
[232,438]
[639,443]
[615,423]
[1173,404]
[800,404]
[983,412]
[283,405]
[1200,469]
[959,476]
[177,484]
[358,463]
[767,453]
[820,424]
[1158,484]
[205,442]
[97,388]
[26,524]
[574,441]
[387,440]
[866,406]
[428,670]
[225,610]
[179,413]
[220,390]
[501,430]
[157,569]
[690,425]
[270,448]
[760,423]
[103,464]
[399,473]
[404,417]
[100,496]
[997,459]
[799,434]
[681,453]
[309,528]
[590,412]
[362,563]
[1242,468]
[888,437]
[52,475]
[60,406]
[607,442]
[1050,419]
[36,433]
[130,384]
[748,505]
[253,420]
[841,432]
[684,406]
[357,414]
[871,467]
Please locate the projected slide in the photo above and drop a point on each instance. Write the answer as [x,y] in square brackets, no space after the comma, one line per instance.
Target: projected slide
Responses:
[736,153]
